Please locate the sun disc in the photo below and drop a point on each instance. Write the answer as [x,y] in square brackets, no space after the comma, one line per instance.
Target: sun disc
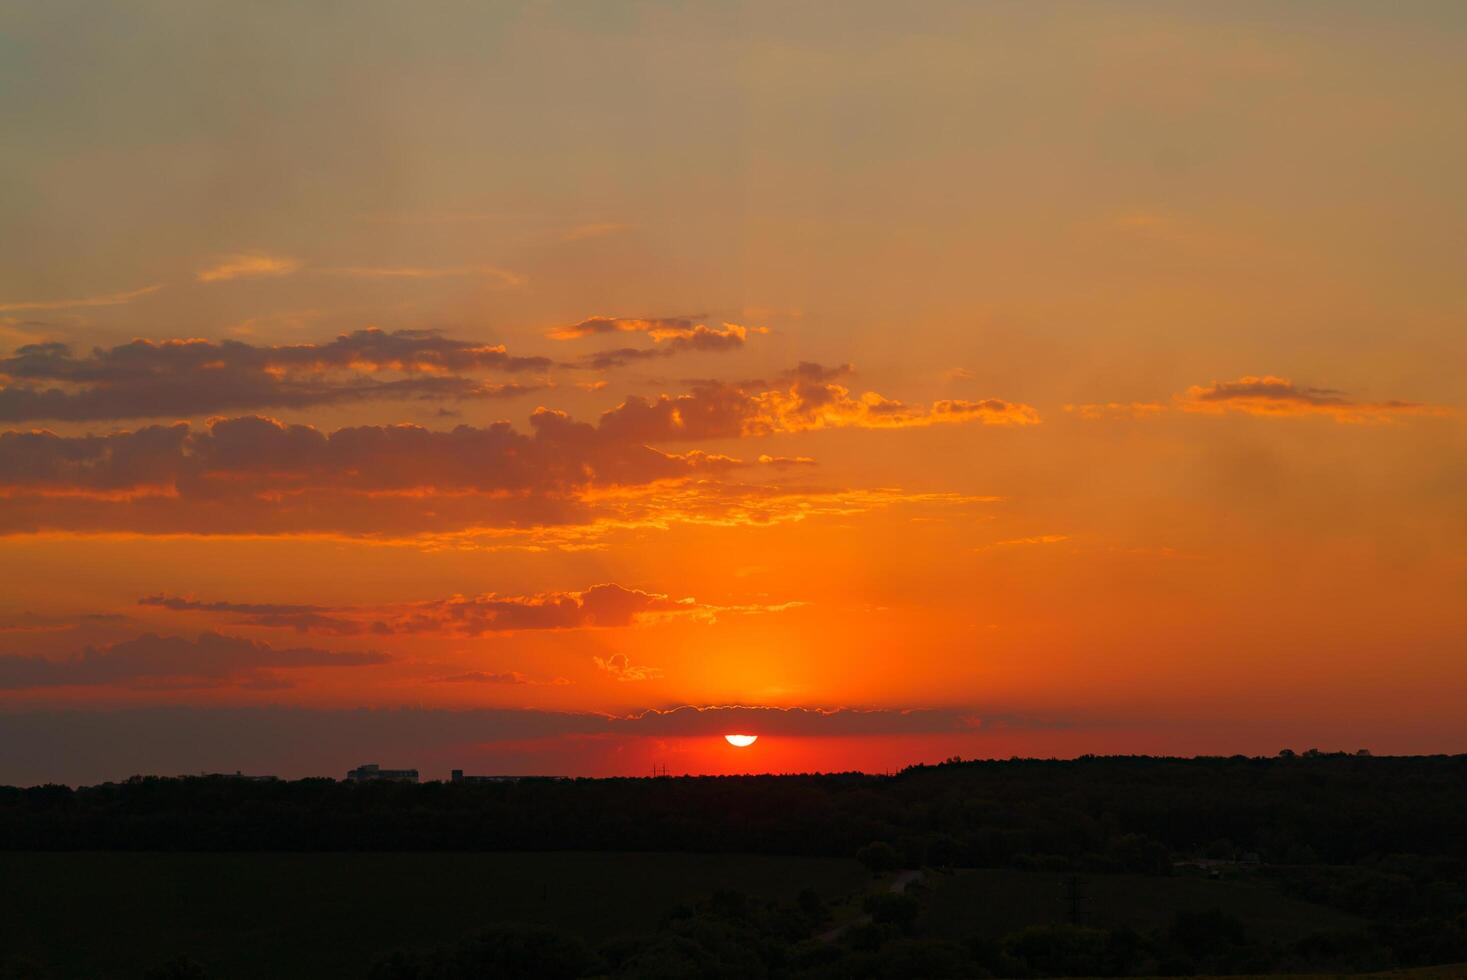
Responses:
[741,741]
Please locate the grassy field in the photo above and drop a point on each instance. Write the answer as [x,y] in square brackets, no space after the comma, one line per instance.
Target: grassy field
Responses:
[323,916]
[991,903]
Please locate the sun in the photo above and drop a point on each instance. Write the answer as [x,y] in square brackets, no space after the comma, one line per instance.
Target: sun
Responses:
[741,741]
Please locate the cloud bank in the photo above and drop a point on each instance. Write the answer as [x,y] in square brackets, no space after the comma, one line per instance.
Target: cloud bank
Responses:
[598,607]
[171,662]
[177,378]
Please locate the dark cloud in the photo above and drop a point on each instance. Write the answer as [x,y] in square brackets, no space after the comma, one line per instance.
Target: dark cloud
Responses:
[170,662]
[303,619]
[511,677]
[486,677]
[809,372]
[599,607]
[254,475]
[151,379]
[1275,396]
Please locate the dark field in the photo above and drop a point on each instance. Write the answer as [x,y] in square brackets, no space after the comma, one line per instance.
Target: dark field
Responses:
[1306,865]
[247,916]
[997,901]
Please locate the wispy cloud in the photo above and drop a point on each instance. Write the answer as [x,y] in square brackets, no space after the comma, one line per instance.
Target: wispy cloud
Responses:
[248,265]
[1033,539]
[107,299]
[1095,411]
[503,278]
[595,230]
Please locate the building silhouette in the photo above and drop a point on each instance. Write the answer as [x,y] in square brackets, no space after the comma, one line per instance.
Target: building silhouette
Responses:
[371,772]
[457,776]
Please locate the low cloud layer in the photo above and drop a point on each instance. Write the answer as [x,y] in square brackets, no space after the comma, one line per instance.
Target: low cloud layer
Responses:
[599,607]
[172,662]
[176,378]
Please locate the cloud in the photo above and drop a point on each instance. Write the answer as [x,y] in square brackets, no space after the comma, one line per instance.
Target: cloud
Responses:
[595,230]
[502,277]
[29,622]
[109,299]
[249,265]
[170,662]
[173,378]
[620,666]
[564,484]
[598,607]
[785,462]
[657,327]
[809,372]
[720,410]
[672,335]
[1033,539]
[1269,395]
[512,677]
[1096,411]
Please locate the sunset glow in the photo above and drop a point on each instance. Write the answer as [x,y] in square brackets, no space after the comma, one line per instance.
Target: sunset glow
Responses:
[552,389]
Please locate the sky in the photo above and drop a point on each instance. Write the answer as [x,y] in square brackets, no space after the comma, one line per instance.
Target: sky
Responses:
[555,388]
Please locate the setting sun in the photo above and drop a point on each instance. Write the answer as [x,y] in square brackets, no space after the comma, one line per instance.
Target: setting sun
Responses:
[741,741]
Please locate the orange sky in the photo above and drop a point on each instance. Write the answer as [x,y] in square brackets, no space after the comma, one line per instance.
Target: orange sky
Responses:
[570,386]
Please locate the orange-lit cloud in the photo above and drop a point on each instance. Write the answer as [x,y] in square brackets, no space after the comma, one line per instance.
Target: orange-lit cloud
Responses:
[173,378]
[1268,395]
[107,299]
[171,662]
[249,265]
[599,607]
[403,479]
[659,328]
[620,666]
[721,410]
[672,335]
